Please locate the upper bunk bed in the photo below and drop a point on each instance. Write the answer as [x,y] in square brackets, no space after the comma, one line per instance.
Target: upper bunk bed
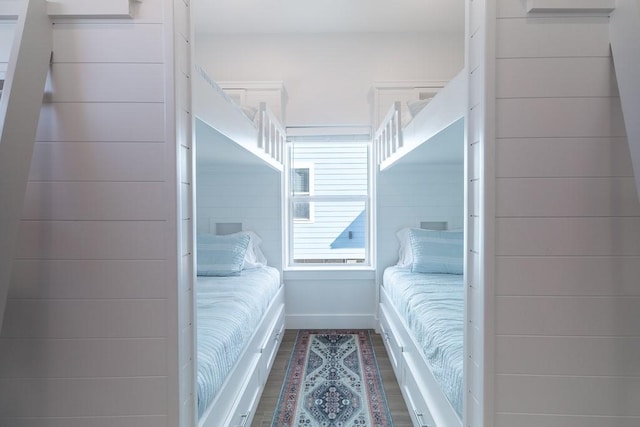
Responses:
[246,133]
[396,136]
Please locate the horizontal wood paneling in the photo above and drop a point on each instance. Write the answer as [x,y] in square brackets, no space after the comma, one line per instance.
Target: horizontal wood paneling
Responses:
[555,77]
[140,240]
[552,37]
[118,318]
[563,157]
[410,194]
[557,197]
[137,357]
[63,397]
[242,194]
[127,42]
[568,236]
[599,396]
[97,161]
[568,228]
[571,315]
[585,356]
[124,82]
[88,279]
[88,329]
[101,122]
[92,201]
[571,275]
[559,117]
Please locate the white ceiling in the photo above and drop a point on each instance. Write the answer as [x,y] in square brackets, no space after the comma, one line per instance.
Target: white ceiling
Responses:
[322,16]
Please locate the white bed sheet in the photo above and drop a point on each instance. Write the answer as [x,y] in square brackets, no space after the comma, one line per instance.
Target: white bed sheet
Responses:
[432,306]
[228,311]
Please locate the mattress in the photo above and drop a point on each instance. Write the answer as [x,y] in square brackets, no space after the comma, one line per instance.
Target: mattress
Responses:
[432,306]
[228,311]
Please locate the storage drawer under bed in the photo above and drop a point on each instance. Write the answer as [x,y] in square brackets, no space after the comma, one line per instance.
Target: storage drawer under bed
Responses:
[390,338]
[245,406]
[418,408]
[270,346]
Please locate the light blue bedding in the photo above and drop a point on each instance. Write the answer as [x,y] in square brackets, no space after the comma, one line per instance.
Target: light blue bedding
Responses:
[228,311]
[432,306]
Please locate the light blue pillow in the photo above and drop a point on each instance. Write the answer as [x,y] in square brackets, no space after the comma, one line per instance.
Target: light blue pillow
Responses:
[221,255]
[437,252]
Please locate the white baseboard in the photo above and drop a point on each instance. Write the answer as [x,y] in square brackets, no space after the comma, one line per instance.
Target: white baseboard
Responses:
[331,321]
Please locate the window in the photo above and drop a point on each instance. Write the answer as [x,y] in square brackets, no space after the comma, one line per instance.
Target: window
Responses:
[301,179]
[328,204]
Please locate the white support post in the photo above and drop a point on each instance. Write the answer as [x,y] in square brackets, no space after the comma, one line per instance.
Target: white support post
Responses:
[20,106]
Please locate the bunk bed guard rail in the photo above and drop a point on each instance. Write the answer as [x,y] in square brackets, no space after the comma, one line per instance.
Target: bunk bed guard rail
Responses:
[388,137]
[271,135]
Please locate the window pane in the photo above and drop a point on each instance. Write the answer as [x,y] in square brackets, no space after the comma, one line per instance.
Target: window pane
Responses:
[339,168]
[338,233]
[301,210]
[300,180]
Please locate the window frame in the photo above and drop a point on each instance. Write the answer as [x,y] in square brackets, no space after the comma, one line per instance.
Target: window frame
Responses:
[289,222]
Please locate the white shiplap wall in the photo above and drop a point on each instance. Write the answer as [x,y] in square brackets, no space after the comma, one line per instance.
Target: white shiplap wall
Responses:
[250,195]
[413,193]
[567,219]
[90,335]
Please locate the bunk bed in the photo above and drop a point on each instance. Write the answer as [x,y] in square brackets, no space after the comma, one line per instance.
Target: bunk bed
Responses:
[239,300]
[398,135]
[422,324]
[257,131]
[421,306]
[239,323]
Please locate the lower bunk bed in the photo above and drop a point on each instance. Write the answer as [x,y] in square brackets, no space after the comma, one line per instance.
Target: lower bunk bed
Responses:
[422,326]
[239,322]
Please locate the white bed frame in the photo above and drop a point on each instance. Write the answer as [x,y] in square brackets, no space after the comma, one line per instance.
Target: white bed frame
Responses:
[238,398]
[427,404]
[392,141]
[265,138]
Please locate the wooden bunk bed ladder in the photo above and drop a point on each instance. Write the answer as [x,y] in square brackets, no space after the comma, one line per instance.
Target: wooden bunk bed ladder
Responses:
[20,106]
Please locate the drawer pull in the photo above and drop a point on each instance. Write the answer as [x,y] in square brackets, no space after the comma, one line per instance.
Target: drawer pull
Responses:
[245,418]
[419,416]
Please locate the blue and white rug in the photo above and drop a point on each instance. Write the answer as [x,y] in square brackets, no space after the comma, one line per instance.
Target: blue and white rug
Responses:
[332,381]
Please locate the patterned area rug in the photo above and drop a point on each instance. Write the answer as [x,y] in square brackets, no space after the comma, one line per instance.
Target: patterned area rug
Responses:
[332,381]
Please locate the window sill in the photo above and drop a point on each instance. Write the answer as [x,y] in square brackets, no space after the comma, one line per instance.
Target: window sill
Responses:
[329,273]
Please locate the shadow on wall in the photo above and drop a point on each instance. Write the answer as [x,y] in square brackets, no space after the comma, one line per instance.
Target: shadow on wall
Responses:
[353,236]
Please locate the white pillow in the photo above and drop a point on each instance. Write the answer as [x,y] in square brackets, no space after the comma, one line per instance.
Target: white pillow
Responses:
[221,255]
[254,257]
[405,256]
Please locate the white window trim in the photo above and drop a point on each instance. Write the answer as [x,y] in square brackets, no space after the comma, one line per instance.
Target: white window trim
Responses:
[312,173]
[370,202]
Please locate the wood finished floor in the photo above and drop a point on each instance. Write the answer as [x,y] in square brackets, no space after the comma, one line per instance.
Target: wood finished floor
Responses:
[269,399]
